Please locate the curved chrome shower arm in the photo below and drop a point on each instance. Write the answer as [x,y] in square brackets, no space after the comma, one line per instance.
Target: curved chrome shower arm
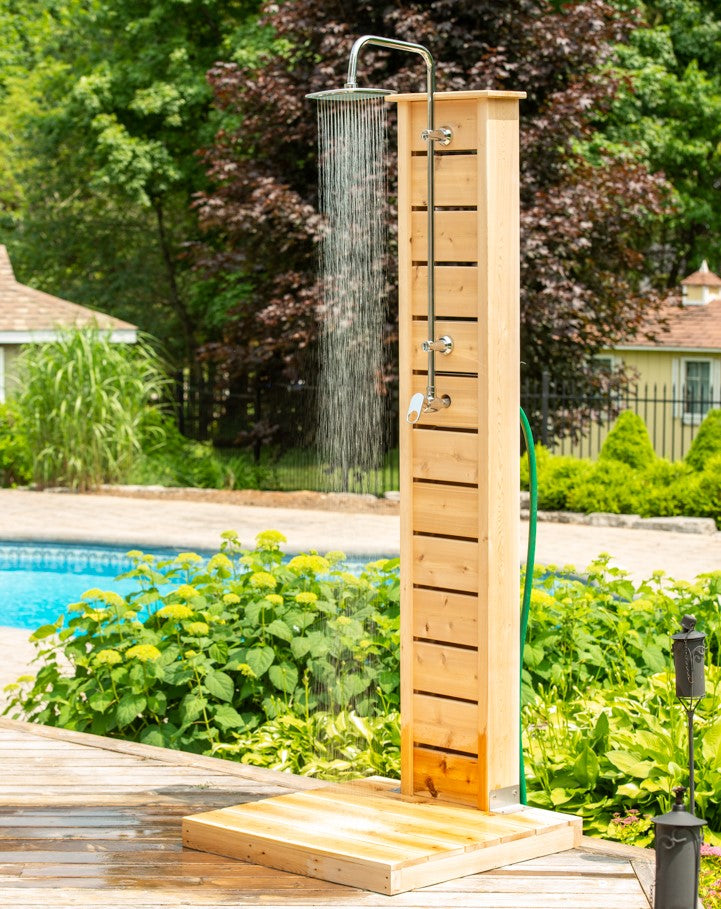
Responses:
[394,44]
[431,401]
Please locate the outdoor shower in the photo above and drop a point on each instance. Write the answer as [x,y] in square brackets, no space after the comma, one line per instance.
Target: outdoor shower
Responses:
[458,810]
[430,401]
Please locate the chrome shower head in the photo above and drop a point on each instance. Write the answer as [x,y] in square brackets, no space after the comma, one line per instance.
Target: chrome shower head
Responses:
[349,93]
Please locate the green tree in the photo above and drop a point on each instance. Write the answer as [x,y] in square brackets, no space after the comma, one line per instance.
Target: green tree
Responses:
[115,107]
[667,115]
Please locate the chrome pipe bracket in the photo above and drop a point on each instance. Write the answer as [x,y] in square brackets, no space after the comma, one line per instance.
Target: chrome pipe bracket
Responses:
[436,402]
[444,345]
[442,135]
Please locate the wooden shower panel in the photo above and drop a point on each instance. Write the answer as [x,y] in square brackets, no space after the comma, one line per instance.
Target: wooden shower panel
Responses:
[459,466]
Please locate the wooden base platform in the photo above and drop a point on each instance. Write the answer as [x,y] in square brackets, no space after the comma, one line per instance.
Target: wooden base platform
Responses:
[377,841]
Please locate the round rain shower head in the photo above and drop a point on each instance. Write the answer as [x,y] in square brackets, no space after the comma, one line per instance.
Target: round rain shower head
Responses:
[349,93]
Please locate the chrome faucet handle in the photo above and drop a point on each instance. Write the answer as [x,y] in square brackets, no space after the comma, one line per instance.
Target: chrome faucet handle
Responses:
[415,408]
[443,345]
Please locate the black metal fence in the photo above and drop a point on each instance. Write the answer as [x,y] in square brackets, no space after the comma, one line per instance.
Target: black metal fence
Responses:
[272,427]
[569,419]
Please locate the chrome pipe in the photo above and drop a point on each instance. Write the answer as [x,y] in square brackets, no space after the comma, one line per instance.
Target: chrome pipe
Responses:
[431,135]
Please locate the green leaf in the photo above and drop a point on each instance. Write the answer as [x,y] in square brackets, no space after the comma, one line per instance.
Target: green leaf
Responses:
[220,685]
[284,677]
[299,647]
[711,744]
[191,707]
[129,707]
[585,768]
[560,796]
[260,659]
[227,717]
[43,632]
[629,764]
[101,700]
[153,736]
[279,628]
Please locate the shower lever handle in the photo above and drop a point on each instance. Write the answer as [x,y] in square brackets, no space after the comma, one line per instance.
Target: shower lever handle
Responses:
[415,408]
[443,345]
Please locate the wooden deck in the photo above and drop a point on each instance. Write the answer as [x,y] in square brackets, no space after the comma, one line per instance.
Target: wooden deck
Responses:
[92,822]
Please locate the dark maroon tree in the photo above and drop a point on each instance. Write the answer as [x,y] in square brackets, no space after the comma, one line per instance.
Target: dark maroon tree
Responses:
[585,224]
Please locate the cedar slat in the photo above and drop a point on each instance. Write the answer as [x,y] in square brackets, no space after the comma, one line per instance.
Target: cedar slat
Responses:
[447,510]
[445,723]
[456,289]
[456,114]
[463,391]
[447,564]
[445,776]
[449,617]
[463,357]
[450,457]
[456,180]
[456,236]
[445,670]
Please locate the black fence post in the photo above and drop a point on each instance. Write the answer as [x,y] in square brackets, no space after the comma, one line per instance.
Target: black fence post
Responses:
[545,394]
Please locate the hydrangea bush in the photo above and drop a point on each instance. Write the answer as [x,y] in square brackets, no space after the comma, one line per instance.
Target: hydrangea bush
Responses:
[203,652]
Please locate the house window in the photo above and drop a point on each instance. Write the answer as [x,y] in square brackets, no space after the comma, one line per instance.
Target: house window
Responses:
[697,388]
[697,383]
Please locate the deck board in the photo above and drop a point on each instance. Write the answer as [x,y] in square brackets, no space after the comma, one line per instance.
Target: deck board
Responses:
[98,822]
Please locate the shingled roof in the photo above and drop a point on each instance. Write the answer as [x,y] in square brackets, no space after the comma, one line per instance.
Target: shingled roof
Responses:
[694,325]
[28,315]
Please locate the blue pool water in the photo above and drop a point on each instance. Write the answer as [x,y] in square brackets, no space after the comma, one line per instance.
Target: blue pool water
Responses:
[38,580]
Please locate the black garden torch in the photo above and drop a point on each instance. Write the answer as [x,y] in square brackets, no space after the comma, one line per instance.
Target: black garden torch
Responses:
[678,856]
[689,650]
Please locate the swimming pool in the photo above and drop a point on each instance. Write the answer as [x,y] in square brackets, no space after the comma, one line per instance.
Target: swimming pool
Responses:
[39,580]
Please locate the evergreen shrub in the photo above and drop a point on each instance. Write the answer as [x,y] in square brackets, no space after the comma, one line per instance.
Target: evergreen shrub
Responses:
[707,442]
[628,442]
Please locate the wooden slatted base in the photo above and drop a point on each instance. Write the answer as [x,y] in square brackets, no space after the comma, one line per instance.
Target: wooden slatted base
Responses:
[377,842]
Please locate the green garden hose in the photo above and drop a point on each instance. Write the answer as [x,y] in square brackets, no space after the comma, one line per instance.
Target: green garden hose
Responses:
[528,581]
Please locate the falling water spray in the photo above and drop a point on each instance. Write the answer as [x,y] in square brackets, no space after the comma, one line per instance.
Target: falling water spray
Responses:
[352,197]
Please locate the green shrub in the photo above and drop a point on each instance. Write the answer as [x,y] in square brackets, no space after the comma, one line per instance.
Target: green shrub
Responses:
[707,442]
[608,486]
[170,459]
[557,477]
[15,460]
[244,639]
[628,442]
[83,402]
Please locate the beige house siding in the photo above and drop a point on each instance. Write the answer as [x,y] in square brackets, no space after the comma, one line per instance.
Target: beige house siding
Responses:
[658,398]
[8,358]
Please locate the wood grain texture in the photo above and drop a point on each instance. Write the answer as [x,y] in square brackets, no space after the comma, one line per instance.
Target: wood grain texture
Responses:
[444,723]
[498,437]
[456,236]
[449,617]
[463,357]
[128,852]
[455,180]
[445,670]
[450,457]
[443,509]
[456,291]
[445,564]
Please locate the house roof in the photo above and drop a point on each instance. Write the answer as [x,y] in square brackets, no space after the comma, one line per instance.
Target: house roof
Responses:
[704,277]
[28,315]
[686,328]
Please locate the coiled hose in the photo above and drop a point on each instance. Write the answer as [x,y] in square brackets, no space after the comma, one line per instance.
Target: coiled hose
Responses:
[528,580]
